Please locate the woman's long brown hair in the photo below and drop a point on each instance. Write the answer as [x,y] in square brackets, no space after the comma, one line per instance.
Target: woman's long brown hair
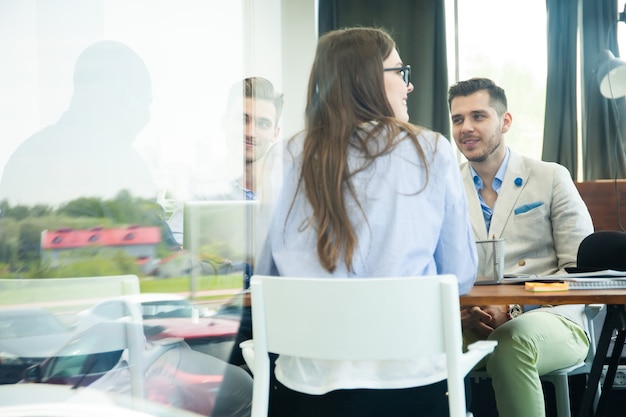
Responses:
[346,90]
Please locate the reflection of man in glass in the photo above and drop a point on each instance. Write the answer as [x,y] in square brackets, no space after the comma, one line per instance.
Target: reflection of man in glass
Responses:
[255,103]
[251,126]
[88,152]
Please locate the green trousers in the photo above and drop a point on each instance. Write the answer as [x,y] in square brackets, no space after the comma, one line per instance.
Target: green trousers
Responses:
[532,344]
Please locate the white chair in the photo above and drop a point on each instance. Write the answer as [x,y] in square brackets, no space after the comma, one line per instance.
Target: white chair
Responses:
[559,378]
[359,319]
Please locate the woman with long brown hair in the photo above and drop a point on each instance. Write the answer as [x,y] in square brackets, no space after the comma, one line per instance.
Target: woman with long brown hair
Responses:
[365,194]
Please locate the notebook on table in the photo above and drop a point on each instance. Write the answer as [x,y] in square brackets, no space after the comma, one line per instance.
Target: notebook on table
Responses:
[605,279]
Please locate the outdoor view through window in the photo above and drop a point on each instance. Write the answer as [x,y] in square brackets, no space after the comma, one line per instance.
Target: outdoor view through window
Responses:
[110,110]
[494,50]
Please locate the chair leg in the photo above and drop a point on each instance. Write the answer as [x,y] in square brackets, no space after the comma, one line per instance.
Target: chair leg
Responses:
[597,399]
[561,393]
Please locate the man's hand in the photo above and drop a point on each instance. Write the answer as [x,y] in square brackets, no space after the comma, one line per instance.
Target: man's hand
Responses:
[483,319]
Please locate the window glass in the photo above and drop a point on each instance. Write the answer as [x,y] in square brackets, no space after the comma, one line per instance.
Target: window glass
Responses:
[505,40]
[187,74]
[620,26]
[110,110]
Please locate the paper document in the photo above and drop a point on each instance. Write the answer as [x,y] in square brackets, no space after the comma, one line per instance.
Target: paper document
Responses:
[597,284]
[604,275]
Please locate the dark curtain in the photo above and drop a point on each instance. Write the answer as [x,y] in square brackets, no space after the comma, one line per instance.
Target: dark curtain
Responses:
[603,119]
[418,27]
[560,131]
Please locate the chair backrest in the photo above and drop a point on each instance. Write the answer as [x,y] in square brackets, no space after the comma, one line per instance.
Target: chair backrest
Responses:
[356,319]
[363,318]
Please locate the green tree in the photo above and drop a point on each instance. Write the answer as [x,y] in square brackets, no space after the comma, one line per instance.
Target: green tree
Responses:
[40,210]
[9,240]
[29,241]
[19,212]
[84,207]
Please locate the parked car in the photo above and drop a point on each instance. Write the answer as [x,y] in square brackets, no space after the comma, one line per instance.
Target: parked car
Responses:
[27,337]
[145,305]
[174,315]
[107,356]
[233,307]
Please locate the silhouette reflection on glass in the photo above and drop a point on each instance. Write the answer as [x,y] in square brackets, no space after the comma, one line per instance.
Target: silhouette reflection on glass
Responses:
[88,151]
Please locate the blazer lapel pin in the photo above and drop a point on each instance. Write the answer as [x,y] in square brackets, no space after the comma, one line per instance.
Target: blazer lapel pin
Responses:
[518,182]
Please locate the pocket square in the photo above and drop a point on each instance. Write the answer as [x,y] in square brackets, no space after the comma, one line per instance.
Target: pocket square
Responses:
[527,207]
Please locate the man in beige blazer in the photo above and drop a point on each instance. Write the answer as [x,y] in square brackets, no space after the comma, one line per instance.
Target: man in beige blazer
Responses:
[535,207]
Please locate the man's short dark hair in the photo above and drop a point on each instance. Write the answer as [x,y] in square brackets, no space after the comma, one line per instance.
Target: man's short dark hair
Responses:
[257,88]
[465,88]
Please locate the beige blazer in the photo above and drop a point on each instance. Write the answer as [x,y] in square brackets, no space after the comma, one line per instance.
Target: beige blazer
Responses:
[539,213]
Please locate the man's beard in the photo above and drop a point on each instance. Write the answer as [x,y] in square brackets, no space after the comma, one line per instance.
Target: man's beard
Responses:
[483,157]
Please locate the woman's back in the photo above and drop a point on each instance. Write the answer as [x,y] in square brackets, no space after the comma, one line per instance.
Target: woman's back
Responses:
[404,219]
[365,194]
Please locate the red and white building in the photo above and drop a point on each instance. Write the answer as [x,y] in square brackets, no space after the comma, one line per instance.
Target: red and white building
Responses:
[63,246]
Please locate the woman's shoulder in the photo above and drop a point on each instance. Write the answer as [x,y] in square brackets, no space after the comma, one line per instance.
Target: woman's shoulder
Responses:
[292,147]
[433,137]
[434,143]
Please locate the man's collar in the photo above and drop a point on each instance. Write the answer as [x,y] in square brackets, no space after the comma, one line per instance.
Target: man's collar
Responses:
[478,182]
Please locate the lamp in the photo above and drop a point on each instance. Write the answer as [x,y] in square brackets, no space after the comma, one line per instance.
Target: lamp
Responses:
[611,75]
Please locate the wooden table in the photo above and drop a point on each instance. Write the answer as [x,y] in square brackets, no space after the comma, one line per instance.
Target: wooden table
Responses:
[615,321]
[516,294]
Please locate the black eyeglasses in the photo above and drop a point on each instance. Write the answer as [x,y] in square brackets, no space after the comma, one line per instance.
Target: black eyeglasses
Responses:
[405,71]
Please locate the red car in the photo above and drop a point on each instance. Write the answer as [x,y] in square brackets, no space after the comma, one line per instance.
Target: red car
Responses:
[170,315]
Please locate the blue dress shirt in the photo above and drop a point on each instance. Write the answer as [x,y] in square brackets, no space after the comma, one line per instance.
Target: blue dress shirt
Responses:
[496,185]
